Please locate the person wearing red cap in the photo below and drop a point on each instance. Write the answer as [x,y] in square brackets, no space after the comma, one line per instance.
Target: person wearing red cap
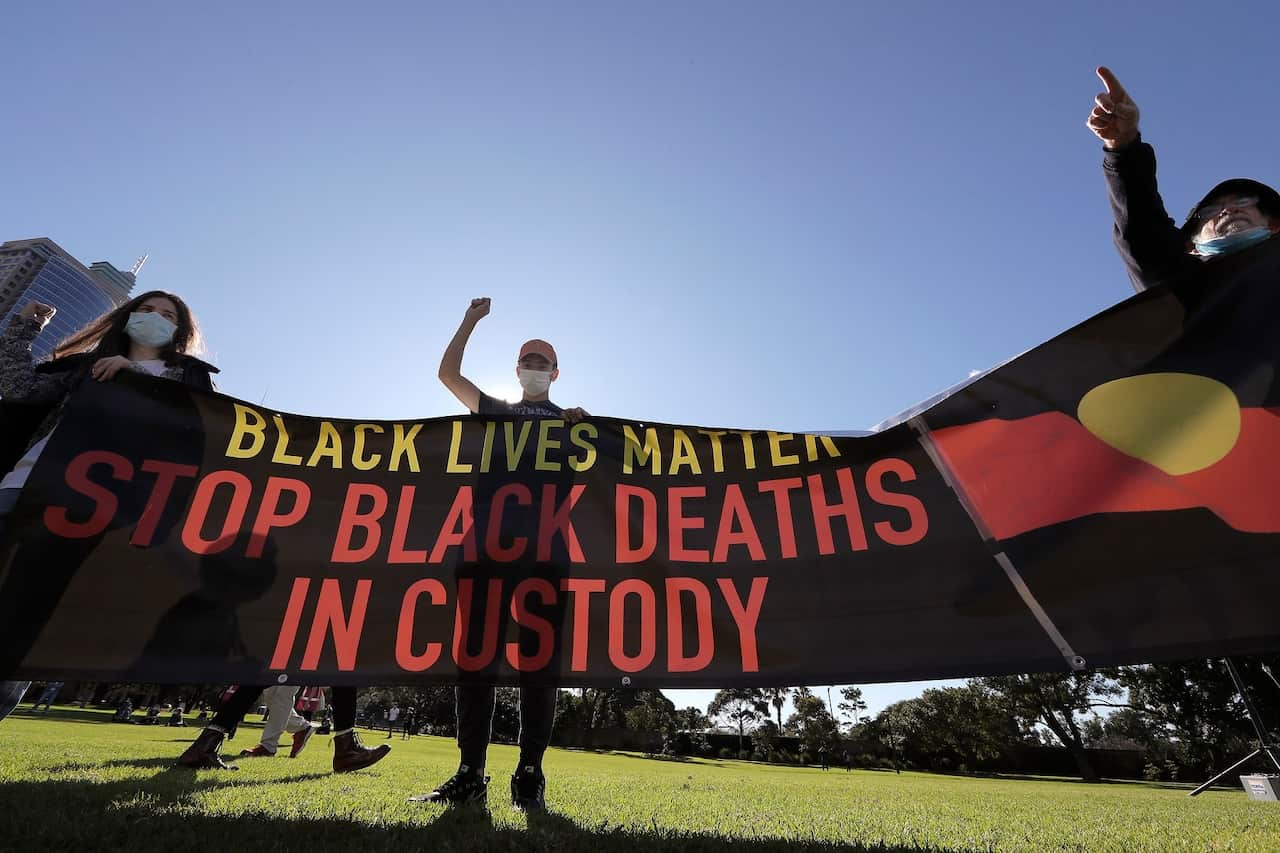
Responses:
[536,368]
[1235,215]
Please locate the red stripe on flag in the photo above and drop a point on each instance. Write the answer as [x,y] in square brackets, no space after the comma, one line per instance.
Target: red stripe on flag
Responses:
[1046,469]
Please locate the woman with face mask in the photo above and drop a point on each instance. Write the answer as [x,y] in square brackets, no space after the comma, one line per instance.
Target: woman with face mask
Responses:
[154,333]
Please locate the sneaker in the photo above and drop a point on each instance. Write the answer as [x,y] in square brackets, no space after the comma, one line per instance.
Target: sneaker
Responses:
[349,754]
[258,751]
[463,787]
[528,789]
[206,752]
[300,739]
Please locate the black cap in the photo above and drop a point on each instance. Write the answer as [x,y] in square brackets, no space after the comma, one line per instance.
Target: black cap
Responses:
[1268,199]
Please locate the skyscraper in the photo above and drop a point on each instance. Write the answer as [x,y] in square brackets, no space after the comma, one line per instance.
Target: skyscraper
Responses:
[39,270]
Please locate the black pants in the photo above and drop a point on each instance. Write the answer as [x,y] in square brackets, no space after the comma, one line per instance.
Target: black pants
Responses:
[475,704]
[232,711]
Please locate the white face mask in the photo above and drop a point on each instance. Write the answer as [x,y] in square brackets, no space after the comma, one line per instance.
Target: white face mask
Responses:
[534,382]
[150,329]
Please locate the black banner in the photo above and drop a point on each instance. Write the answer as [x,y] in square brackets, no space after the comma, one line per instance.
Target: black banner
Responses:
[1110,497]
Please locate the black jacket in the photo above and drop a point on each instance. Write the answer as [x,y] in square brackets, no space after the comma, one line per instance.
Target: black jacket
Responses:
[1153,248]
[22,423]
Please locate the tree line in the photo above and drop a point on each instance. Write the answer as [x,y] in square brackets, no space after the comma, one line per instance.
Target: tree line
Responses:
[1183,718]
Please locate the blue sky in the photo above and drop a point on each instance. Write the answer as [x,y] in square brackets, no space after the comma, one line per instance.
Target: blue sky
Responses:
[803,216]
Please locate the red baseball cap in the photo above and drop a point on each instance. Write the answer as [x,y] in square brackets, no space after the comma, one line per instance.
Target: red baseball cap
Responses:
[540,347]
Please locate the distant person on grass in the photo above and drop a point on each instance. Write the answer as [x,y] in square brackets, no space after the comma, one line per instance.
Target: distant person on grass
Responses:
[409,726]
[537,367]
[1235,215]
[50,692]
[393,716]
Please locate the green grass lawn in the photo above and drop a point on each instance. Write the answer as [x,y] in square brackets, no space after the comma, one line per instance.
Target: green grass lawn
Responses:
[73,780]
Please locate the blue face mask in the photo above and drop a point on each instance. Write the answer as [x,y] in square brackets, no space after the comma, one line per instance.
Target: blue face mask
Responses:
[1233,242]
[150,329]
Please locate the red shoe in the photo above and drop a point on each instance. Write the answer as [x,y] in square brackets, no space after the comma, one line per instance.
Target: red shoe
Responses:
[258,751]
[300,740]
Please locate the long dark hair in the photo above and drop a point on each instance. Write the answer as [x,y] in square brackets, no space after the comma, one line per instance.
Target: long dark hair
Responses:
[105,336]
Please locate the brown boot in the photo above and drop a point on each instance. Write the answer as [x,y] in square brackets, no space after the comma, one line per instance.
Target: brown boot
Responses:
[349,754]
[206,752]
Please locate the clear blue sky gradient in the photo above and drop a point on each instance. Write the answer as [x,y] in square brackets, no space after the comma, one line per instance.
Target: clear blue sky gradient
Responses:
[803,216]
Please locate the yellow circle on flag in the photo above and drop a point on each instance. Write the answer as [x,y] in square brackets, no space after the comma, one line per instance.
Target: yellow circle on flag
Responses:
[1177,422]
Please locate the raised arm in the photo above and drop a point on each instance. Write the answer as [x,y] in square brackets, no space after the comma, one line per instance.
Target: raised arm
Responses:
[1146,236]
[19,382]
[451,363]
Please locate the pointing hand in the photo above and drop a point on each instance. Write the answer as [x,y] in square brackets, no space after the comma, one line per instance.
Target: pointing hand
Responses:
[1114,118]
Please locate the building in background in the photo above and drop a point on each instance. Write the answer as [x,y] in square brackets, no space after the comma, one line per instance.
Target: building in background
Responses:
[40,270]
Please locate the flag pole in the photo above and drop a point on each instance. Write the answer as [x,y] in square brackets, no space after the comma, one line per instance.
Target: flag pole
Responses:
[1265,744]
[925,437]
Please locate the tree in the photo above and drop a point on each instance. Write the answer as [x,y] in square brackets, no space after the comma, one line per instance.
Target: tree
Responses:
[852,703]
[602,707]
[777,697]
[948,728]
[692,719]
[1194,708]
[1054,700]
[739,705]
[765,738]
[896,725]
[813,722]
[505,726]
[652,713]
[1127,728]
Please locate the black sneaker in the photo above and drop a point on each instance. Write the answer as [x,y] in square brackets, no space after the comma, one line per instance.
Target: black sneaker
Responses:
[528,789]
[462,788]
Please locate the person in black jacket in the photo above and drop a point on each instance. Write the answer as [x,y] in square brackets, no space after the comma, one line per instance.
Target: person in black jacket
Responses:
[1233,216]
[154,333]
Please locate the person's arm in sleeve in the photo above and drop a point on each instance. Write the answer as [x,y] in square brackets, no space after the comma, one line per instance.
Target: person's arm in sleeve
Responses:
[451,363]
[1152,247]
[19,382]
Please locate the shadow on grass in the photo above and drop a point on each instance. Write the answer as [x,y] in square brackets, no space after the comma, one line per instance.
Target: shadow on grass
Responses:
[157,763]
[685,761]
[1231,785]
[68,715]
[163,812]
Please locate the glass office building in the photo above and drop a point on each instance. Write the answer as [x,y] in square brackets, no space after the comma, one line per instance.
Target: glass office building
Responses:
[41,271]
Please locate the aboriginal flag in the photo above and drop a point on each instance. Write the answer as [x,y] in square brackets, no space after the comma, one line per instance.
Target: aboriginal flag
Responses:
[1130,468]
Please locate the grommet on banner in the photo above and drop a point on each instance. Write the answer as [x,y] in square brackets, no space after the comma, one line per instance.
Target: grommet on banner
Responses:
[1078,663]
[282,678]
[626,680]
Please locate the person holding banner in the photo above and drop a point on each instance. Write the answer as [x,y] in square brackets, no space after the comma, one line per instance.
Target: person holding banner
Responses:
[536,369]
[1233,216]
[153,333]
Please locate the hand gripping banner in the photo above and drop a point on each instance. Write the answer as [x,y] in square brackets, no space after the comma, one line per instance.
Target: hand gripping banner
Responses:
[1110,497]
